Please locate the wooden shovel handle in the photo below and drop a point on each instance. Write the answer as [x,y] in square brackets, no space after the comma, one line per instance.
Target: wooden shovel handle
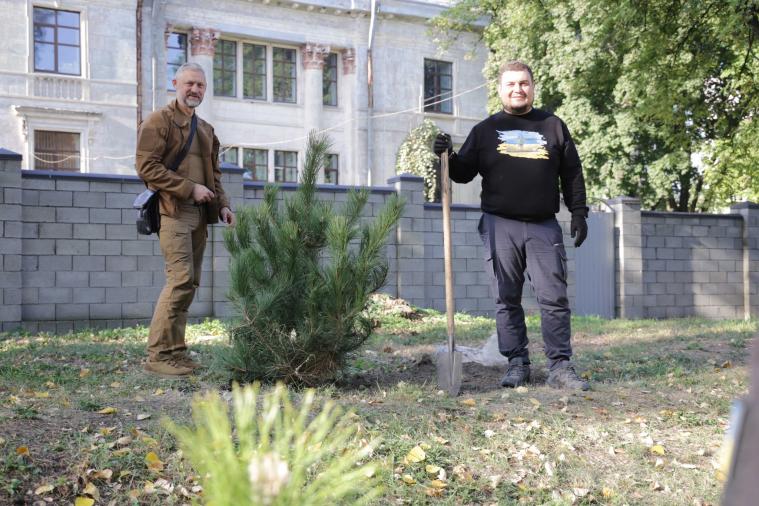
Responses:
[447,251]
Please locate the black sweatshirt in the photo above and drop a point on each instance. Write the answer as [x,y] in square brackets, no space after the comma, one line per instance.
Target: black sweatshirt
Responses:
[521,159]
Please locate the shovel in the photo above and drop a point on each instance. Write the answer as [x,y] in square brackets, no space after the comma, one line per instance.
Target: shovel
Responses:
[449,361]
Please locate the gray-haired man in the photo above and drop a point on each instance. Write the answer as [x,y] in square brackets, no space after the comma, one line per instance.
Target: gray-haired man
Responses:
[190,198]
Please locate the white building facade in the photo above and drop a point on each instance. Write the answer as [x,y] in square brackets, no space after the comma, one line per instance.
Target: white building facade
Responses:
[77,76]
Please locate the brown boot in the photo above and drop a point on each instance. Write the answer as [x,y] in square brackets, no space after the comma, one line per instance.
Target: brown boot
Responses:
[168,368]
[183,358]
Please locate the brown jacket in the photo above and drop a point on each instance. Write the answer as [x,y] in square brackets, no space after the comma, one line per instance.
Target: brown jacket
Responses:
[160,138]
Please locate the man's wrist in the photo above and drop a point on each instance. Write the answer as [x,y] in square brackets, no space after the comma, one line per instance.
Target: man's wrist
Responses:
[580,211]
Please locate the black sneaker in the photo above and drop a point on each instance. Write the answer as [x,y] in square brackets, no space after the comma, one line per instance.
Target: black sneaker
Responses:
[516,375]
[565,376]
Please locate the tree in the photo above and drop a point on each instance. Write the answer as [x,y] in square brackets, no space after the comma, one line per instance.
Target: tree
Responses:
[300,279]
[415,156]
[660,95]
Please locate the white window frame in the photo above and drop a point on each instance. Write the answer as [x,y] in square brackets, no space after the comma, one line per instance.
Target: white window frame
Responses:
[63,5]
[269,73]
[38,118]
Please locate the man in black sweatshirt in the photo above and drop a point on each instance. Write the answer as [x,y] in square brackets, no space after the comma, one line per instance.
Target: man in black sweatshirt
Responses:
[522,154]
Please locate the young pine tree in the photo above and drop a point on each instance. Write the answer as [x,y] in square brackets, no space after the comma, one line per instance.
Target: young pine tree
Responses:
[300,278]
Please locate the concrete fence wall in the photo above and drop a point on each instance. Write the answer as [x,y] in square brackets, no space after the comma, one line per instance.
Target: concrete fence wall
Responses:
[71,257]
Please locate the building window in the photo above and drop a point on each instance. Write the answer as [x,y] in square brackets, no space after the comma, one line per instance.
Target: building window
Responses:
[286,166]
[330,170]
[225,69]
[176,55]
[228,154]
[284,75]
[56,150]
[254,71]
[256,161]
[330,79]
[56,41]
[438,86]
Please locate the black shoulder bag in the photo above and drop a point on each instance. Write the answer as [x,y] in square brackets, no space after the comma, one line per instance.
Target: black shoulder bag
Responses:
[146,203]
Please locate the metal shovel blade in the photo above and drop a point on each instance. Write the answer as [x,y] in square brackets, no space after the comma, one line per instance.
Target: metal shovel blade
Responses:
[449,362]
[449,372]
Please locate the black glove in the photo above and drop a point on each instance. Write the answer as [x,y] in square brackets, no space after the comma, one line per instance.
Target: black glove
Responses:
[442,143]
[579,228]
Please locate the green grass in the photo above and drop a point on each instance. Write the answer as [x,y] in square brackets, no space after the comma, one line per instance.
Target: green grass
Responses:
[667,383]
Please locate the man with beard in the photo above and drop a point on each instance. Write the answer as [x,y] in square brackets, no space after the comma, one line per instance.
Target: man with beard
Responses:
[522,154]
[191,196]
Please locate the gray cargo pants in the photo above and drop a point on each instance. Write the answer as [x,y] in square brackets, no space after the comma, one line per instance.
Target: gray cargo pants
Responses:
[511,247]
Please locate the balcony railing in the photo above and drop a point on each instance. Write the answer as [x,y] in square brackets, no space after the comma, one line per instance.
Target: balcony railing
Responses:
[57,86]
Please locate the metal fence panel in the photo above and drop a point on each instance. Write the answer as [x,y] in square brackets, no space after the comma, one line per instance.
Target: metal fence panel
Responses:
[594,268]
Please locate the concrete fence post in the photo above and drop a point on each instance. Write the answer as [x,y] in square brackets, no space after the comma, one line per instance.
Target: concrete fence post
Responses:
[750,213]
[232,181]
[10,240]
[409,244]
[629,297]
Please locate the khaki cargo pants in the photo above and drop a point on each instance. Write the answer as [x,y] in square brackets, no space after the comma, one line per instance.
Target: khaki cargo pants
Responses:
[182,240]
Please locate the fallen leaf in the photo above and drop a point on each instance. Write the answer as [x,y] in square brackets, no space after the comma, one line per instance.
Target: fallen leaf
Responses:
[105,474]
[83,374]
[416,454]
[23,451]
[607,492]
[42,395]
[43,489]
[143,416]
[424,446]
[408,479]
[438,484]
[521,390]
[726,364]
[580,492]
[105,431]
[657,450]
[438,439]
[134,494]
[535,402]
[434,492]
[123,441]
[115,384]
[158,391]
[84,501]
[656,486]
[121,452]
[469,402]
[91,490]
[489,433]
[153,462]
[50,384]
[108,411]
[432,469]
[462,473]
[2,441]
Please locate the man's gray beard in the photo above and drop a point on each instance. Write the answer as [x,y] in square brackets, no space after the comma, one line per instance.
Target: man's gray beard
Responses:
[187,102]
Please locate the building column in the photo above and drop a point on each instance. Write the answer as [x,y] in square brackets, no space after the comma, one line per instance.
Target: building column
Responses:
[10,240]
[202,50]
[628,257]
[350,130]
[313,56]
[750,213]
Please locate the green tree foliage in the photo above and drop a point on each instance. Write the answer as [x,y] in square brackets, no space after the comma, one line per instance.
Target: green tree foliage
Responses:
[415,156]
[272,452]
[661,96]
[300,278]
